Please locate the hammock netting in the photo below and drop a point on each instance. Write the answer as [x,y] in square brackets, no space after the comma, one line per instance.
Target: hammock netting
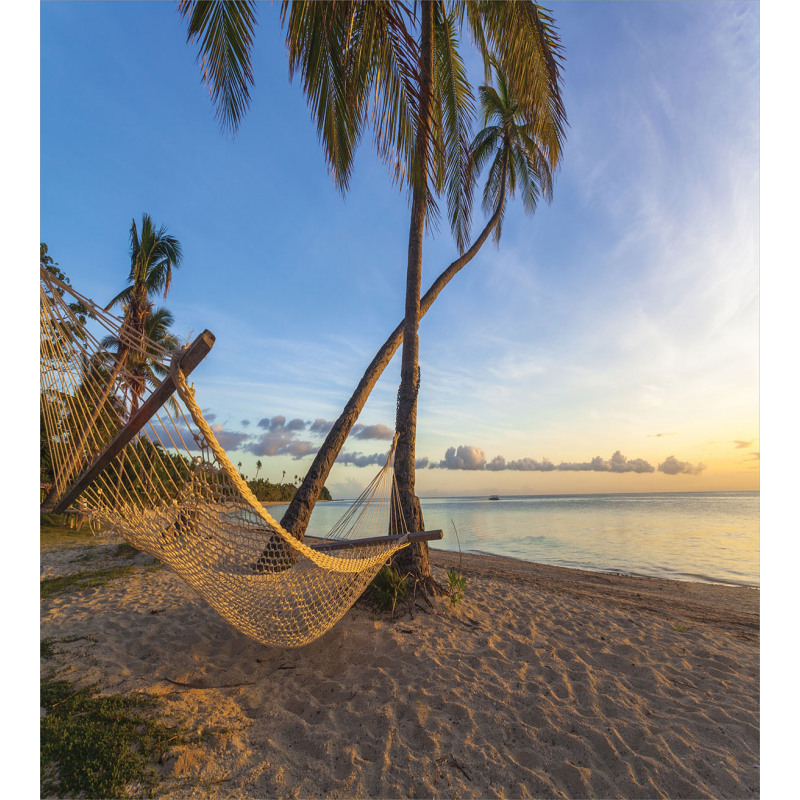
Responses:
[173,492]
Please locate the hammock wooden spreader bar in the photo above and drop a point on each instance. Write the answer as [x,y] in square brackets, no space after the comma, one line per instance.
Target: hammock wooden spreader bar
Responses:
[191,357]
[422,536]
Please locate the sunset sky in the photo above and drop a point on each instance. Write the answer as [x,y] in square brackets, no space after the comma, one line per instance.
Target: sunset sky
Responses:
[610,343]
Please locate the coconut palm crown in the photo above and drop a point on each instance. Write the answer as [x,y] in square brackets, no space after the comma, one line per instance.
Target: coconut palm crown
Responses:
[519,159]
[154,254]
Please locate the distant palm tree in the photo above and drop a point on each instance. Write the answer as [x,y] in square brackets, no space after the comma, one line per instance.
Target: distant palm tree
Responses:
[154,254]
[258,468]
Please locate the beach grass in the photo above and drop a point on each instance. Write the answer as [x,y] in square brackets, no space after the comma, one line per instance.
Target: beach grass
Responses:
[387,589]
[78,581]
[95,745]
[54,531]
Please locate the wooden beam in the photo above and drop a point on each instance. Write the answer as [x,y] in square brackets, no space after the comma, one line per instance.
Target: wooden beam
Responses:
[343,544]
[196,352]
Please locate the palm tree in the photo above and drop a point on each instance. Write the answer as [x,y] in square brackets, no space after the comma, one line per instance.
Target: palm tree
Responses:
[517,156]
[397,66]
[258,467]
[519,161]
[154,254]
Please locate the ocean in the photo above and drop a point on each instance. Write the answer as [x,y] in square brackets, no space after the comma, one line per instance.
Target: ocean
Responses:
[711,537]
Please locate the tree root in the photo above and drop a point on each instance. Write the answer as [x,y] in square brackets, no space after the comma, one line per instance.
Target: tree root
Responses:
[426,586]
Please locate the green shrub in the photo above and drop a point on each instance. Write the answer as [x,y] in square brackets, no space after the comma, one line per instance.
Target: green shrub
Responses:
[388,587]
[455,586]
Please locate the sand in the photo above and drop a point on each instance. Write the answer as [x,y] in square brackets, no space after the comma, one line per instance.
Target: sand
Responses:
[543,682]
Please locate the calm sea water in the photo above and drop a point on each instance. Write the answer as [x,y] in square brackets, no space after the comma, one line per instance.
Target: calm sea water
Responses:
[711,537]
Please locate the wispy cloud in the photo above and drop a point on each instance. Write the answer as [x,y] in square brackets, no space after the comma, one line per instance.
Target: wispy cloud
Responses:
[361,460]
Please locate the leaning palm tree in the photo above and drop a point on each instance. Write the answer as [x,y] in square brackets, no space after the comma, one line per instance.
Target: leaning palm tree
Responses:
[518,161]
[397,67]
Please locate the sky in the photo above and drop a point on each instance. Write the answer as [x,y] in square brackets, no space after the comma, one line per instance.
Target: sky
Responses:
[609,344]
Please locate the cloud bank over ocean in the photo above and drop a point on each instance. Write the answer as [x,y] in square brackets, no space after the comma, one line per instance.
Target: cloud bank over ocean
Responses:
[281,438]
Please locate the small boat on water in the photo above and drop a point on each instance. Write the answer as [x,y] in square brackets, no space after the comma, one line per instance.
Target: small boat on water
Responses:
[493,497]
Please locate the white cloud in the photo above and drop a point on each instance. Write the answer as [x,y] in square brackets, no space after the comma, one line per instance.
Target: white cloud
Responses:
[464,457]
[671,466]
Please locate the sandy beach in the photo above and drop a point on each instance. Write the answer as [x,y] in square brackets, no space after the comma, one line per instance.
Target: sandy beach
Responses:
[543,682]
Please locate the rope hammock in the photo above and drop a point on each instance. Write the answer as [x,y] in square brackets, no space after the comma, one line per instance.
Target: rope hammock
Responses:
[131,452]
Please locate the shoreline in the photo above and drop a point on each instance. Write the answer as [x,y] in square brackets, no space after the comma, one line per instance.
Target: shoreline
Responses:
[543,682]
[704,580]
[726,603]
[700,540]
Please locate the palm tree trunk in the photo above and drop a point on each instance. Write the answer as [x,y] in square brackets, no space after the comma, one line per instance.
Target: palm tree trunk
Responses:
[297,515]
[415,558]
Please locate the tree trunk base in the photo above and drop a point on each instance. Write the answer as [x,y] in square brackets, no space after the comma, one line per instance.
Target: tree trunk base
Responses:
[425,586]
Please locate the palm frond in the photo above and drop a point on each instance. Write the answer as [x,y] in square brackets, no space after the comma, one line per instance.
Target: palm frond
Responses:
[454,99]
[539,163]
[122,297]
[165,255]
[317,36]
[526,177]
[395,88]
[525,44]
[224,31]
[491,104]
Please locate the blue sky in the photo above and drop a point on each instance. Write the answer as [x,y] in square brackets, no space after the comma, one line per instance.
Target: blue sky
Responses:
[622,318]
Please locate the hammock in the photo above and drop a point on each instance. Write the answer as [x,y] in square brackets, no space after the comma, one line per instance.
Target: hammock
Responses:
[131,452]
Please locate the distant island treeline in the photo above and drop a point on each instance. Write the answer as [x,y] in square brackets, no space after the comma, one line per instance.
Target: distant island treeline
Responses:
[268,492]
